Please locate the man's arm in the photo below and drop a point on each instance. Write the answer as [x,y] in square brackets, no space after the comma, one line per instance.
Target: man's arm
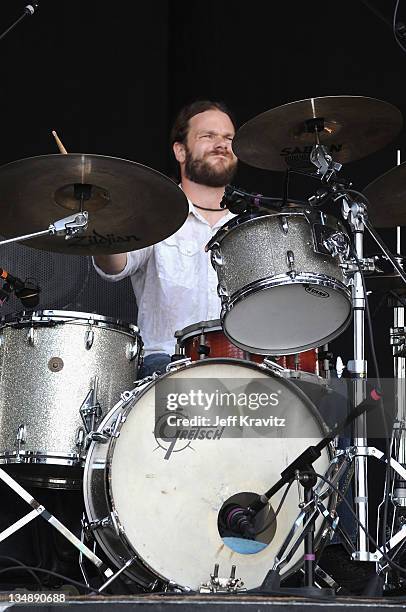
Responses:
[111,264]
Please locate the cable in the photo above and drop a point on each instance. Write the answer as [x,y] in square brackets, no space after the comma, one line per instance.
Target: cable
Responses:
[22,565]
[370,538]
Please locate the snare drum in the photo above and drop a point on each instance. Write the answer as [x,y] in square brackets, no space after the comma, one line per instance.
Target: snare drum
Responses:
[206,339]
[281,281]
[158,501]
[60,373]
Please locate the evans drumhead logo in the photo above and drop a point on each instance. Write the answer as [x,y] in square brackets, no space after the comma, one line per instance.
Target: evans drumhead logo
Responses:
[317,292]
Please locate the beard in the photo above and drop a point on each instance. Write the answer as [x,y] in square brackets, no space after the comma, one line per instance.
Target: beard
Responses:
[199,170]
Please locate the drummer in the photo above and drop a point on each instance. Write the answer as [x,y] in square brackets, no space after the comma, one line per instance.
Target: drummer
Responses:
[174,282]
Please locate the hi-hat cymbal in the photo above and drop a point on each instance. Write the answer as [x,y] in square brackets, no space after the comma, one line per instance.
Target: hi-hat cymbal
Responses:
[387,198]
[130,205]
[351,127]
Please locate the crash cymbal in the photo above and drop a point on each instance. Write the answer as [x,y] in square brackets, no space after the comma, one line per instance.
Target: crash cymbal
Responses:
[351,127]
[130,205]
[387,198]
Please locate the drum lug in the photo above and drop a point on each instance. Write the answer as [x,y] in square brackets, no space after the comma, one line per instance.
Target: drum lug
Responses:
[132,350]
[216,256]
[21,437]
[31,336]
[290,260]
[222,292]
[89,339]
[90,410]
[284,224]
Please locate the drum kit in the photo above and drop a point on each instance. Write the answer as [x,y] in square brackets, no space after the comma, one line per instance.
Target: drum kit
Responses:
[291,278]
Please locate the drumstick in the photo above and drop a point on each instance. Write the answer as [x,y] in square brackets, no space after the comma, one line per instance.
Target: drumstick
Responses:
[59,143]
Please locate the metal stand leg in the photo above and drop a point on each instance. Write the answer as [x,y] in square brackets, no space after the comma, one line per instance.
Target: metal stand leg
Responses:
[39,510]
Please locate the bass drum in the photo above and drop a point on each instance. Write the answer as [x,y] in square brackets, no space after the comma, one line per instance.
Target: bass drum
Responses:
[160,501]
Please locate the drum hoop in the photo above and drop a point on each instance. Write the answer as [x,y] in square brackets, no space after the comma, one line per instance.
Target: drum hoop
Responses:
[127,404]
[279,280]
[198,328]
[313,217]
[67,316]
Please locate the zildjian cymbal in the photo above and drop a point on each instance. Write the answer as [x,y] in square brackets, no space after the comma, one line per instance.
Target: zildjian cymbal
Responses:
[350,127]
[130,206]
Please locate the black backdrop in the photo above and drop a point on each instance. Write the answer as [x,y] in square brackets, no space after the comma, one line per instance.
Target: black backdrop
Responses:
[109,77]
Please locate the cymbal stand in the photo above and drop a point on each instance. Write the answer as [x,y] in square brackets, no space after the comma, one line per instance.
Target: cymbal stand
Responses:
[398,438]
[68,226]
[354,213]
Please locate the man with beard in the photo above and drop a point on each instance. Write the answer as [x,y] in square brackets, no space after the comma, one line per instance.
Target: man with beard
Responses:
[174,282]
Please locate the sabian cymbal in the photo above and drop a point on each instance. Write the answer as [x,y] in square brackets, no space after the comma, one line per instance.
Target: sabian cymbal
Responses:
[130,205]
[351,127]
[387,198]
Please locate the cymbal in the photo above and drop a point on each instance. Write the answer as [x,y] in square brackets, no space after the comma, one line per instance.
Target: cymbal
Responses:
[387,198]
[351,127]
[385,279]
[130,206]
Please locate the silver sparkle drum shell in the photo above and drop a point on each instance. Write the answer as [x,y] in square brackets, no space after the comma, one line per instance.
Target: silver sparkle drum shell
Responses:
[280,281]
[49,362]
[162,511]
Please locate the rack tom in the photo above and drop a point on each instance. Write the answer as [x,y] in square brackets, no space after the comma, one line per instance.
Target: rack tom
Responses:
[281,280]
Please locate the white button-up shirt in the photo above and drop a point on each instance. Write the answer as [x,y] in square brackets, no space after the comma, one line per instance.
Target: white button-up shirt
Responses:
[174,282]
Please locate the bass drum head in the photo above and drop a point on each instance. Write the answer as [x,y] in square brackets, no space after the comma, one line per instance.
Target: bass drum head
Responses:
[266,321]
[167,499]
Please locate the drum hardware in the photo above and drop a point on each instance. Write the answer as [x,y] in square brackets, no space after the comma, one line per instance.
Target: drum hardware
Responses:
[90,410]
[311,508]
[217,584]
[39,510]
[69,227]
[21,438]
[301,470]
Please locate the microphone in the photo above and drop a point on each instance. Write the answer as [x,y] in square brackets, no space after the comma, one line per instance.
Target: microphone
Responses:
[238,201]
[31,8]
[15,282]
[306,459]
[239,519]
[26,291]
